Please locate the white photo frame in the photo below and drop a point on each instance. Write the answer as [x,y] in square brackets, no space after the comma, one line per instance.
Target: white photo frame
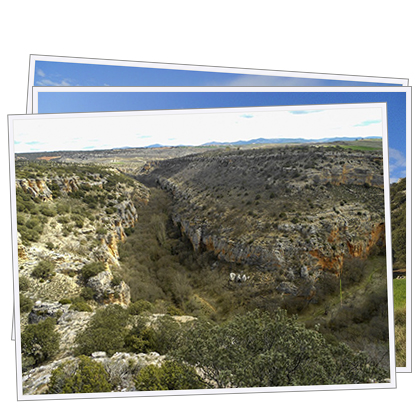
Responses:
[51,122]
[76,106]
[266,77]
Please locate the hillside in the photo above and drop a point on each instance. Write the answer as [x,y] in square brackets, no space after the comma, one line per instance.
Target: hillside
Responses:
[288,214]
[117,278]
[398,222]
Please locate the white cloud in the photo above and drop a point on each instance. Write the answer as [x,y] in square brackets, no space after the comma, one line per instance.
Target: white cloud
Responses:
[40,73]
[48,82]
[397,164]
[258,80]
[396,158]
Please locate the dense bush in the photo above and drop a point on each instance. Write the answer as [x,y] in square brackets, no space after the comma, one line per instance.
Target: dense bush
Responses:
[353,271]
[169,376]
[44,270]
[87,293]
[24,283]
[78,220]
[31,230]
[260,350]
[104,332]
[82,376]
[48,211]
[140,338]
[25,303]
[79,304]
[40,342]
[92,269]
[139,307]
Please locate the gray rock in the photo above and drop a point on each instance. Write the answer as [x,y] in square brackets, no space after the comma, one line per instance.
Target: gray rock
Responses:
[99,354]
[44,310]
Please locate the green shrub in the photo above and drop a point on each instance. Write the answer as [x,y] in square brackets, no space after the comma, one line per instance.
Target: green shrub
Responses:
[26,304]
[78,220]
[92,269]
[50,245]
[40,342]
[63,220]
[55,189]
[24,283]
[64,301]
[128,231]
[110,210]
[140,306]
[44,270]
[104,332]
[116,279]
[20,219]
[83,376]
[169,376]
[48,211]
[140,339]
[101,231]
[275,350]
[80,305]
[87,293]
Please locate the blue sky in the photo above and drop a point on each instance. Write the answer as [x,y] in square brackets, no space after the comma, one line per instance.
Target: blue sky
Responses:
[62,102]
[50,73]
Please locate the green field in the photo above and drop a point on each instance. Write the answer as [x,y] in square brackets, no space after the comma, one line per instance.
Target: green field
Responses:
[399,293]
[400,321]
[361,148]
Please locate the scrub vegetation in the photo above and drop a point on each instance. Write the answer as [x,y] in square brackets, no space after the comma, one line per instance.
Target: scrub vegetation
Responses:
[175,286]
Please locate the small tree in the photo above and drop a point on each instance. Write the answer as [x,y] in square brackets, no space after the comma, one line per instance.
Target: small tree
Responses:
[40,342]
[44,270]
[92,269]
[261,349]
[25,303]
[105,332]
[83,376]
[169,376]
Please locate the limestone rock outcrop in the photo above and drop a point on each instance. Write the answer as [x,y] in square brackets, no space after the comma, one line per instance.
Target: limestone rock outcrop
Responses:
[107,291]
[121,367]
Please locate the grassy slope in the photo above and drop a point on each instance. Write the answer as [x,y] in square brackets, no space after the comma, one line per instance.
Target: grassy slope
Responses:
[400,321]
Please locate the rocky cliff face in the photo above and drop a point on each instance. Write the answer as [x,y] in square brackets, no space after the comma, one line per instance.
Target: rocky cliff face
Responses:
[41,187]
[77,221]
[35,187]
[290,212]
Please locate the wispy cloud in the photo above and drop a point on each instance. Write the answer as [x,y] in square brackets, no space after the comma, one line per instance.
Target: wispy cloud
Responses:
[40,73]
[259,80]
[304,112]
[48,82]
[368,122]
[246,116]
[397,164]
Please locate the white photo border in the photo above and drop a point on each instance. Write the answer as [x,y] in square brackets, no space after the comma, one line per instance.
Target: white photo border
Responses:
[390,384]
[189,67]
[407,90]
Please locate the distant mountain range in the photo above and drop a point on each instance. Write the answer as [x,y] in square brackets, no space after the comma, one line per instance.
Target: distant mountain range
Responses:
[260,141]
[289,140]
